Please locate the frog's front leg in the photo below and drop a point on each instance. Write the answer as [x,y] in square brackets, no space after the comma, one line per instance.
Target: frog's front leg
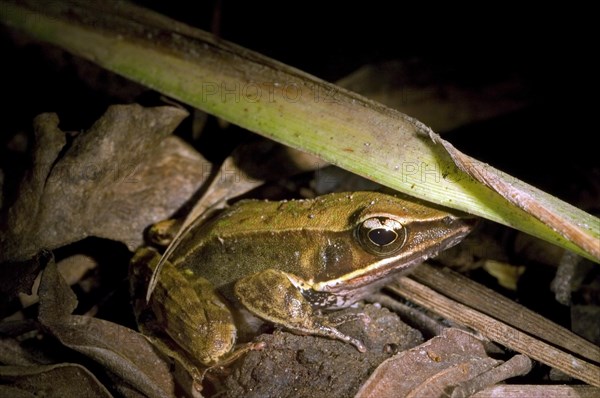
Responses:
[270,295]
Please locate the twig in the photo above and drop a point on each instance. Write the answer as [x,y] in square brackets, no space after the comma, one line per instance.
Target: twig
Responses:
[497,331]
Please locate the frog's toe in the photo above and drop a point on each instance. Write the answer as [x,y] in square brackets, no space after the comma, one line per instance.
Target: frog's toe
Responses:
[337,320]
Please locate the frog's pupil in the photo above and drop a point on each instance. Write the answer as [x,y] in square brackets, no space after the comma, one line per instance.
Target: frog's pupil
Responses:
[382,236]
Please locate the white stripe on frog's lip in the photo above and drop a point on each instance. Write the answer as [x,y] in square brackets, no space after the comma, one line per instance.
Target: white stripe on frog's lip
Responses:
[370,274]
[332,300]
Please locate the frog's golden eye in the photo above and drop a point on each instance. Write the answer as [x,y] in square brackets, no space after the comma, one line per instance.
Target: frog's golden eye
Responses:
[381,235]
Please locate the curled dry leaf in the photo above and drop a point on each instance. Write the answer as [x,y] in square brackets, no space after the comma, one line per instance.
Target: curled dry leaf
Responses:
[128,356]
[516,366]
[430,369]
[112,181]
[60,380]
[19,276]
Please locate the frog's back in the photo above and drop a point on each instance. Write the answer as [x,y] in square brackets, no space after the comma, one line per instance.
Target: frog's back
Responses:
[255,235]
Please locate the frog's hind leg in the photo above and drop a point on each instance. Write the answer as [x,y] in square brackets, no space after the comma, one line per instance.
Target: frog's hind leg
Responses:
[270,295]
[187,307]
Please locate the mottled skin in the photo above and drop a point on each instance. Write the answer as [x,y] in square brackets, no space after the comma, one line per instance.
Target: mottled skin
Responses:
[284,262]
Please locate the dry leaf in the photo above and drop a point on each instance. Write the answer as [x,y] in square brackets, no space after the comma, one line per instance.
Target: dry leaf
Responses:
[112,181]
[19,276]
[126,354]
[518,365]
[430,369]
[60,380]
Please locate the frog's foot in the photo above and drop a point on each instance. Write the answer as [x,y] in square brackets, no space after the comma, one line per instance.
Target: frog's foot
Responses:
[338,320]
[330,331]
[271,296]
[162,233]
[238,352]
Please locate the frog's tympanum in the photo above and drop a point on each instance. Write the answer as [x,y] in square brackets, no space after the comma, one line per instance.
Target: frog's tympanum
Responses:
[286,263]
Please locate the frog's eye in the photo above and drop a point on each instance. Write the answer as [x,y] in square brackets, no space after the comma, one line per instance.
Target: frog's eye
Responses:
[381,235]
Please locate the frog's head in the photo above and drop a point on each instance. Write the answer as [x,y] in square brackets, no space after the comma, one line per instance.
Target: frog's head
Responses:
[385,235]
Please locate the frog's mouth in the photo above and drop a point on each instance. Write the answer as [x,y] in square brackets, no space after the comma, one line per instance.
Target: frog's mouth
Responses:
[374,276]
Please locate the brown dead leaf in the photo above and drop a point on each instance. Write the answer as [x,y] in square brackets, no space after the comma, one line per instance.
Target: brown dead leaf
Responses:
[19,276]
[13,352]
[112,181]
[125,354]
[518,365]
[60,380]
[430,369]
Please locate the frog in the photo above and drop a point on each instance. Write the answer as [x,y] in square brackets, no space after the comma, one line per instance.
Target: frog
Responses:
[287,263]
